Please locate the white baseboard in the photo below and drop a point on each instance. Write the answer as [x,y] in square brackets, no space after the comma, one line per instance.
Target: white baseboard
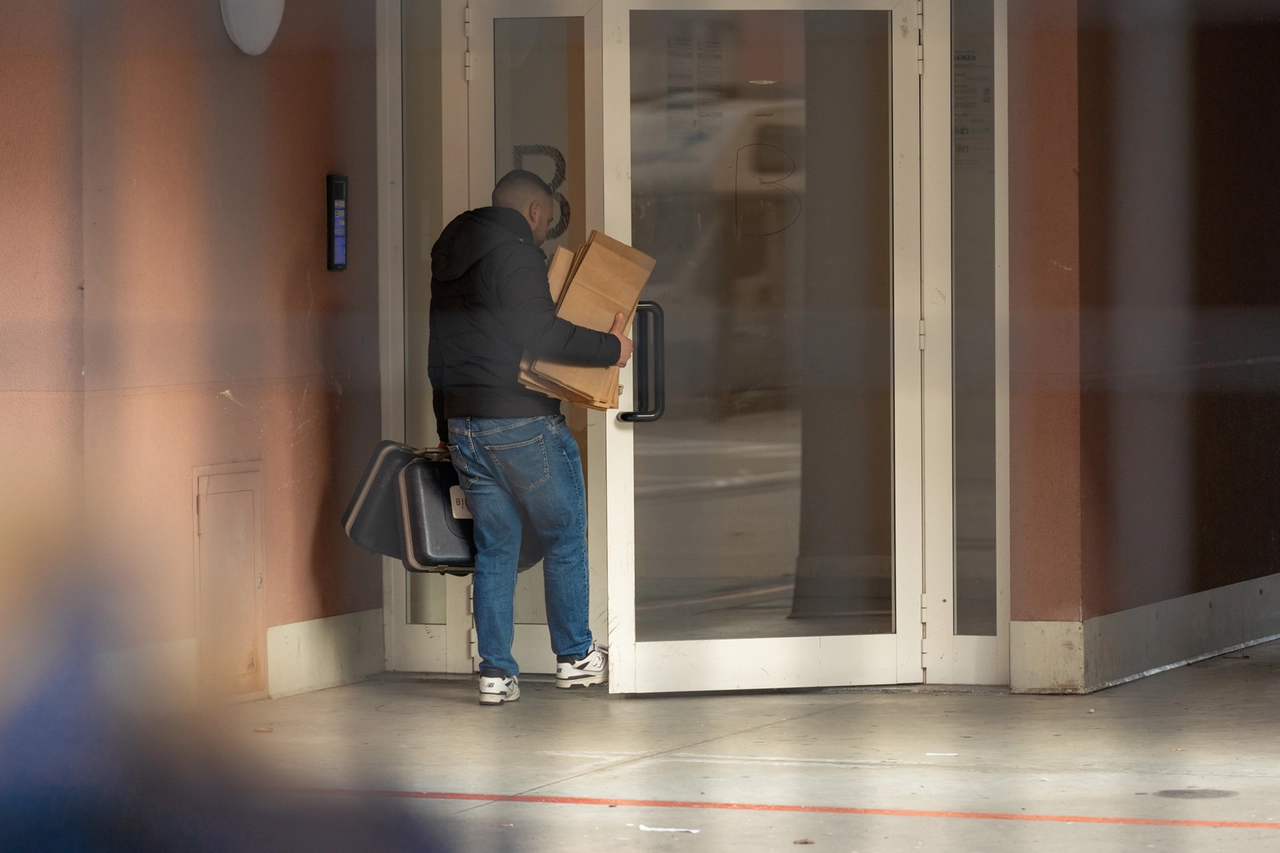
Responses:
[300,657]
[325,652]
[1080,657]
[1046,657]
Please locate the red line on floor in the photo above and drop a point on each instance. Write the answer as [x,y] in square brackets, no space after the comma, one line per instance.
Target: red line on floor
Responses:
[769,807]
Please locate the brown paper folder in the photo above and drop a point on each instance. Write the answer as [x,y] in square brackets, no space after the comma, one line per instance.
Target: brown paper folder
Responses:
[557,276]
[558,272]
[607,282]
[604,279]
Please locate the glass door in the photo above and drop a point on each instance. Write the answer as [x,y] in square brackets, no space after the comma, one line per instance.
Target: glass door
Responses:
[766,532]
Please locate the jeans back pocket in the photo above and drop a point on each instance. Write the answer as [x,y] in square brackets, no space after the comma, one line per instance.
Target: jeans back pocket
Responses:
[524,463]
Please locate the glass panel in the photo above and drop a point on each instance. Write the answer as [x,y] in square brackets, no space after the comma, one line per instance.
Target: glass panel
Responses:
[426,601]
[423,220]
[761,175]
[973,168]
[538,114]
[539,125]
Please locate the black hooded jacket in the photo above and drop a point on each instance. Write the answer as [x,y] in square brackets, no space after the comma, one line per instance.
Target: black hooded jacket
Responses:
[491,302]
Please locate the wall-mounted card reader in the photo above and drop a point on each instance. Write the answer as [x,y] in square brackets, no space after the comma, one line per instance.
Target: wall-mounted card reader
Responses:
[337,222]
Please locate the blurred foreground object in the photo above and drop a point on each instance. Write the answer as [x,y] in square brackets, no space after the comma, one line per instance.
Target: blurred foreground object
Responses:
[79,774]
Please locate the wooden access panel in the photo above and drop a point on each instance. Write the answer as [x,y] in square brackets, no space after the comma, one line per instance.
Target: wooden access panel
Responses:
[230,583]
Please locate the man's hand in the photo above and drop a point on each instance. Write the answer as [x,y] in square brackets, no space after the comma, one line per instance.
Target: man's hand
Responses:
[625,350]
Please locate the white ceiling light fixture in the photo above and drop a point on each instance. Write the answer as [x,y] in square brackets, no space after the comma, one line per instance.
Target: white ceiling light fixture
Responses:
[252,24]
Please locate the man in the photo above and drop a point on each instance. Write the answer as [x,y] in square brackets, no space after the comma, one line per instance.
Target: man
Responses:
[490,303]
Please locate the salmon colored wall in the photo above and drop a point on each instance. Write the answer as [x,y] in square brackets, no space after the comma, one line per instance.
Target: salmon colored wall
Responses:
[41,324]
[212,331]
[1181,481]
[1044,304]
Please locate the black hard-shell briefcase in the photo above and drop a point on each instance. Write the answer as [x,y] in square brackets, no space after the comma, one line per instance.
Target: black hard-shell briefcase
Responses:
[435,524]
[372,519]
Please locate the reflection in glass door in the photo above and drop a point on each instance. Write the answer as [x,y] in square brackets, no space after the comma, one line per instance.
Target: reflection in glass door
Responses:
[773,535]
[762,183]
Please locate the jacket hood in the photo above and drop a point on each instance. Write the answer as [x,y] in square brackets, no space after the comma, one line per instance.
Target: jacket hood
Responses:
[474,234]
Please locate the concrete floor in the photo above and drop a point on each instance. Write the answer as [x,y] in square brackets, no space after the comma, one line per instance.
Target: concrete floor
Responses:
[866,770]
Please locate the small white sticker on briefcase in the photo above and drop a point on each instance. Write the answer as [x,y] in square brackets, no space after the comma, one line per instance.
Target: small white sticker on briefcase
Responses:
[459,501]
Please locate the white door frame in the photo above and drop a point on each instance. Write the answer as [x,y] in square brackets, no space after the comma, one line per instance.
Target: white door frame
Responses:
[950,658]
[410,647]
[451,647]
[947,658]
[391,315]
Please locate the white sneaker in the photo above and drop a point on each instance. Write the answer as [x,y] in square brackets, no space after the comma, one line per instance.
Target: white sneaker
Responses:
[496,690]
[593,668]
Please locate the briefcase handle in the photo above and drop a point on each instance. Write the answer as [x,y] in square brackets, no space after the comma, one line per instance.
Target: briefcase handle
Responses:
[650,368]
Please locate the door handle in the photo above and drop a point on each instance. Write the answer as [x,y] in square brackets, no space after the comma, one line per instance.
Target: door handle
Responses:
[650,368]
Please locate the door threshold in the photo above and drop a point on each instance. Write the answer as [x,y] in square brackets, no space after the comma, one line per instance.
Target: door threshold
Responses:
[525,677]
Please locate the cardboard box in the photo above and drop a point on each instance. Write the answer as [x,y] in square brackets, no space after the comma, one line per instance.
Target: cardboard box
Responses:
[602,279]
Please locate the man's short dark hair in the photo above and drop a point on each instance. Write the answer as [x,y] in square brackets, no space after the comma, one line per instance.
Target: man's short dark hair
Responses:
[517,187]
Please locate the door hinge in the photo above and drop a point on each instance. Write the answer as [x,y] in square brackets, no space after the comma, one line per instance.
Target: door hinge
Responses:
[473,639]
[920,37]
[924,629]
[466,32]
[922,335]
[197,515]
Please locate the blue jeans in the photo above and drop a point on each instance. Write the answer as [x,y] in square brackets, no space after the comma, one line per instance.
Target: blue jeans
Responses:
[504,464]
